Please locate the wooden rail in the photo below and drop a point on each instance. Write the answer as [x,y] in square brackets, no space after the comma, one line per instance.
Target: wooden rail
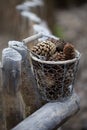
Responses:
[51,115]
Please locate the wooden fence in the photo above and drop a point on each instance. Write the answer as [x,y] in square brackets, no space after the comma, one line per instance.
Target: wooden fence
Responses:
[19,97]
[48,117]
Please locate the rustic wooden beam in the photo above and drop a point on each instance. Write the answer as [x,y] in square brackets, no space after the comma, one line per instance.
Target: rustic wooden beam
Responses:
[31,16]
[11,81]
[51,115]
[11,62]
[28,86]
[2,114]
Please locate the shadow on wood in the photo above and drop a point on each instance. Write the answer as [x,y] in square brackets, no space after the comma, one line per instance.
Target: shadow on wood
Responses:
[51,115]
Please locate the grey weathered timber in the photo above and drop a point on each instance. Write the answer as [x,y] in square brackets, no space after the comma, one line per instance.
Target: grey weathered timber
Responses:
[42,27]
[2,114]
[35,6]
[51,115]
[31,16]
[11,74]
[11,62]
[19,47]
[28,86]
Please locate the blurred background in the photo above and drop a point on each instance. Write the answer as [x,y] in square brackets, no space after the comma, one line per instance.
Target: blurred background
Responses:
[66,19]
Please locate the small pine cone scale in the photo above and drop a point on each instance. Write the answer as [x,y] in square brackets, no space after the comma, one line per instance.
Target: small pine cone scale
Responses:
[46,48]
[69,51]
[57,57]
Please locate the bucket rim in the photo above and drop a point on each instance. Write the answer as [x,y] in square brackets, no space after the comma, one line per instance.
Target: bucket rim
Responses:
[78,55]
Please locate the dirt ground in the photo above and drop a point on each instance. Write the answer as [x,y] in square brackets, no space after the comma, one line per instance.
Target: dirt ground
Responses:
[73,23]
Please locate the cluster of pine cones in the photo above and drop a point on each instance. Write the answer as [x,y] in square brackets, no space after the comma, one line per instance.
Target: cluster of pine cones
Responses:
[55,50]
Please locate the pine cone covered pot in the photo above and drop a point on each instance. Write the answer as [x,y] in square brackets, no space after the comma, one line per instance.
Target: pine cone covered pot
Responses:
[46,48]
[54,79]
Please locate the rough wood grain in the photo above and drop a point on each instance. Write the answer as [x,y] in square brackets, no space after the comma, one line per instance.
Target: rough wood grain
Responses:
[51,115]
[28,86]
[2,114]
[11,75]
[11,61]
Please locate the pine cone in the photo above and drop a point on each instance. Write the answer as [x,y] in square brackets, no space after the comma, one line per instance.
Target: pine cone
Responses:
[69,51]
[46,48]
[59,43]
[57,57]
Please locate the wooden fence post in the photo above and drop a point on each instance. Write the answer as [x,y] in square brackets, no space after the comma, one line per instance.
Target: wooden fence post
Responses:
[28,87]
[2,114]
[11,75]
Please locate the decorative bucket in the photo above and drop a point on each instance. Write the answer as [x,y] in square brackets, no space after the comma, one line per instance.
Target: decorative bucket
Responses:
[55,79]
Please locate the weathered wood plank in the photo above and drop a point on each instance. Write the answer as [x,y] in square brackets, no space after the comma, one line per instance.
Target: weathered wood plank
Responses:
[11,62]
[51,115]
[28,86]
[2,114]
[11,75]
